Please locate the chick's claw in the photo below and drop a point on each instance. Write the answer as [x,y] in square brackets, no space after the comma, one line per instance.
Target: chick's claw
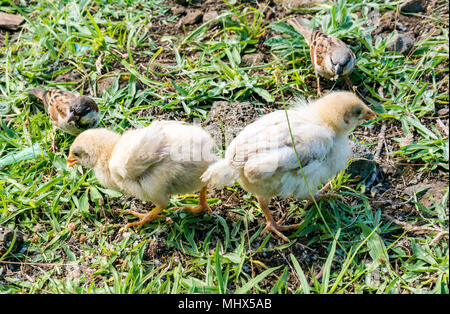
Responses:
[202,204]
[197,209]
[271,225]
[144,218]
[321,197]
[276,229]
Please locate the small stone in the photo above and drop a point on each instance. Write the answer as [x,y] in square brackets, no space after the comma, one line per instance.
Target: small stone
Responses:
[412,6]
[6,239]
[192,17]
[362,163]
[406,140]
[182,2]
[384,22]
[210,15]
[72,270]
[10,21]
[104,83]
[252,59]
[443,111]
[298,4]
[35,13]
[400,43]
[178,10]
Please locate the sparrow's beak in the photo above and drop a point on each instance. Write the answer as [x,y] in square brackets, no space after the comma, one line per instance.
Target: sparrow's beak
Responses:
[339,68]
[72,161]
[370,115]
[72,117]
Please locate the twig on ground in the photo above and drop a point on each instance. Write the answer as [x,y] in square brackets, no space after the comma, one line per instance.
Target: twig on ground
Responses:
[419,229]
[376,157]
[381,141]
[319,275]
[392,203]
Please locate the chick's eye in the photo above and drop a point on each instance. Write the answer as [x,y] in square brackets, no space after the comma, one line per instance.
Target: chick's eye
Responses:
[358,111]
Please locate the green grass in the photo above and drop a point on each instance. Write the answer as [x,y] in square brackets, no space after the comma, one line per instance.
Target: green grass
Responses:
[72,222]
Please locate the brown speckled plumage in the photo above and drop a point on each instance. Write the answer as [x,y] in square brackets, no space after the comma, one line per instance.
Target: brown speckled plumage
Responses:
[330,56]
[68,112]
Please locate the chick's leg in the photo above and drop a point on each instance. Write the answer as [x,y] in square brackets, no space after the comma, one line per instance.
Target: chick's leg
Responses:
[202,203]
[144,218]
[322,194]
[271,224]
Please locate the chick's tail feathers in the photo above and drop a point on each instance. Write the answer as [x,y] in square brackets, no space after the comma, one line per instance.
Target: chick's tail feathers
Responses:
[220,174]
[38,92]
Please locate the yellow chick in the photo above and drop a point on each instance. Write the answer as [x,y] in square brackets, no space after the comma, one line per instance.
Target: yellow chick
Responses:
[152,163]
[265,157]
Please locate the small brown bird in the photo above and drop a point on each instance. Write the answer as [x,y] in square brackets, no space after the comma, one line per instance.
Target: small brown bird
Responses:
[69,112]
[330,56]
[152,163]
[265,157]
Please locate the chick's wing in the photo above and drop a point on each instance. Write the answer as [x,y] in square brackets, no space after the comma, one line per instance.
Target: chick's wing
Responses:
[271,147]
[137,151]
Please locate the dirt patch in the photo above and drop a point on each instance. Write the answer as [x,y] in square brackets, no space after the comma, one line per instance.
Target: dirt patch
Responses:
[428,192]
[226,119]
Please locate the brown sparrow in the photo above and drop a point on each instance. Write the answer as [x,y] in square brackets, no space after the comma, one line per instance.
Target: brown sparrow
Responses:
[330,56]
[68,112]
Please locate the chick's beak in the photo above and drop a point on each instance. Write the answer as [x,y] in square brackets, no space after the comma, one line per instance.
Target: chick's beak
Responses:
[370,115]
[72,161]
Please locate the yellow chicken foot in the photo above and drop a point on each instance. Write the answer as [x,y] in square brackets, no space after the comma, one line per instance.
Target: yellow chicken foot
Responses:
[322,194]
[144,218]
[271,224]
[202,204]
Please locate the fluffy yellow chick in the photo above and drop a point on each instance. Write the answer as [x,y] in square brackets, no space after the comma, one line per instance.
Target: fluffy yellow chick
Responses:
[152,163]
[264,158]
